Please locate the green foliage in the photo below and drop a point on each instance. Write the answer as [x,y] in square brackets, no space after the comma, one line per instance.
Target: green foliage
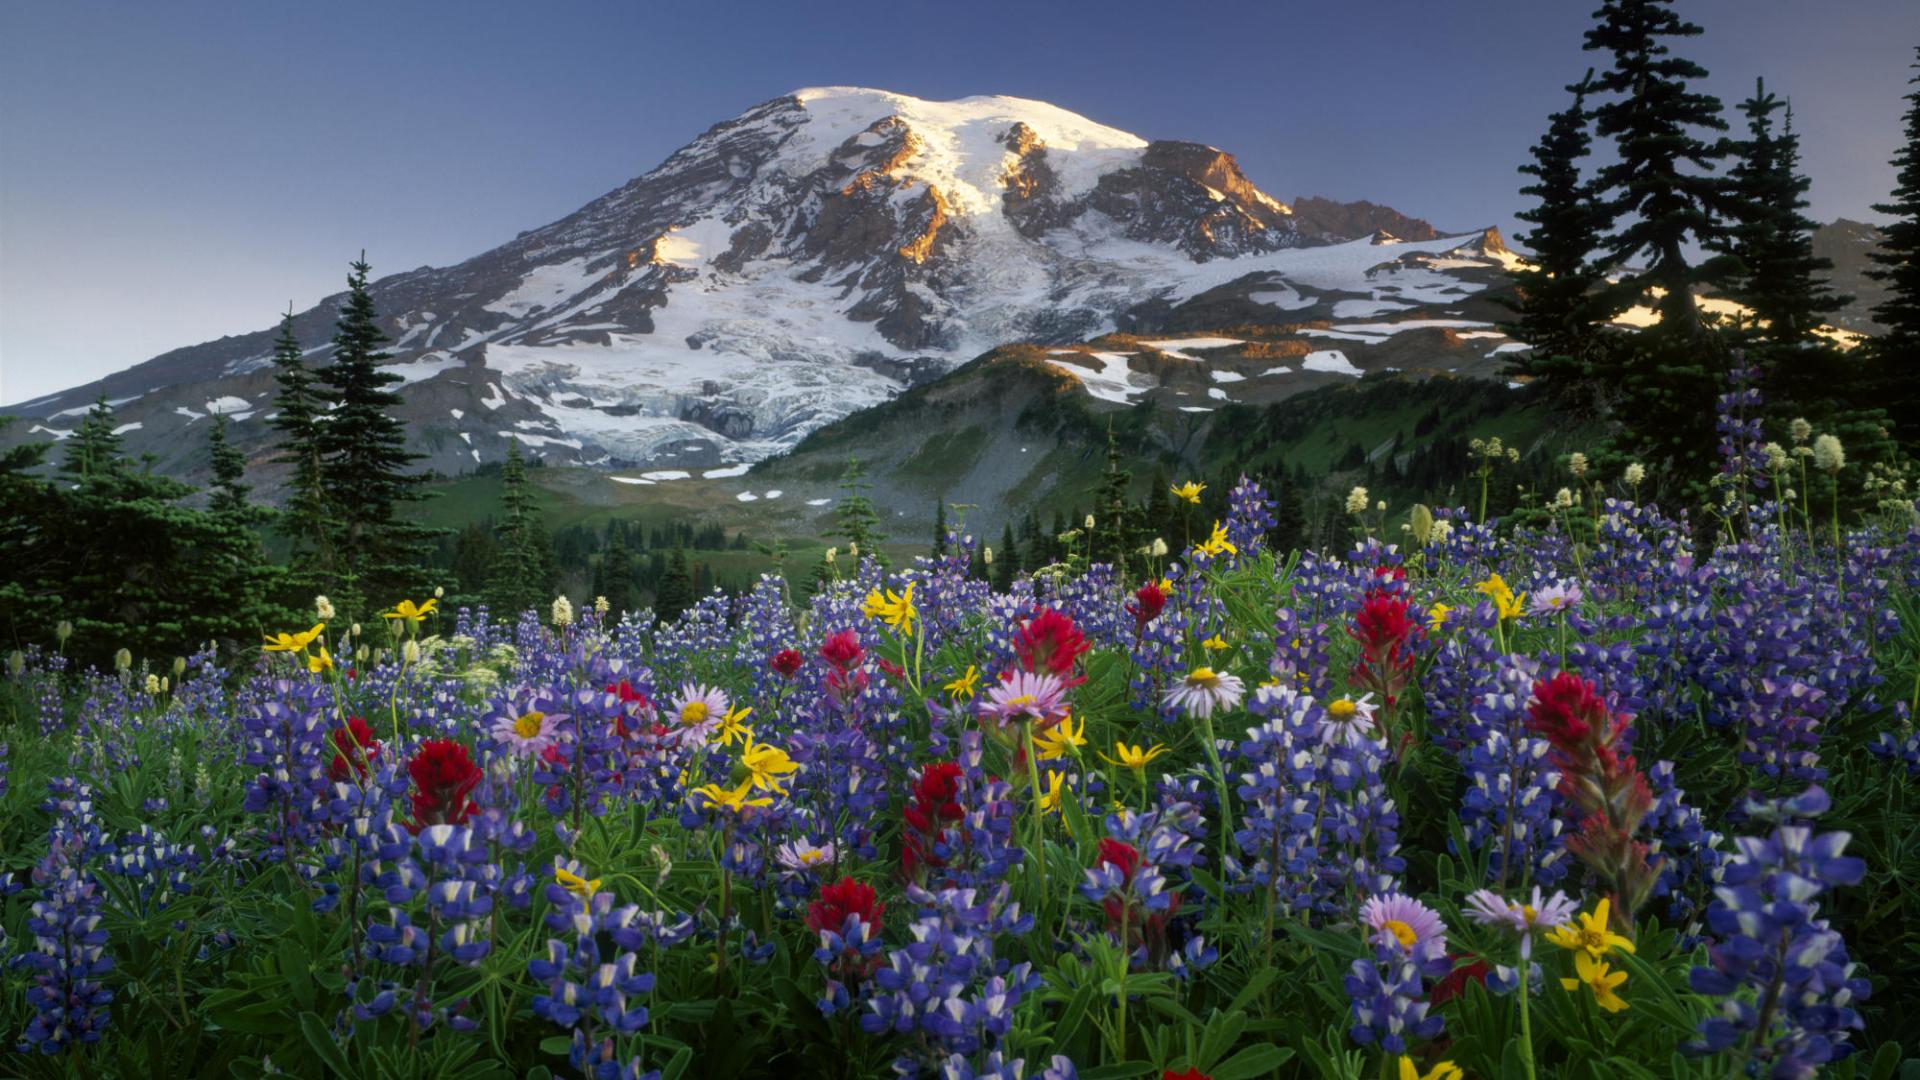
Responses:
[364,461]
[858,521]
[118,551]
[1896,352]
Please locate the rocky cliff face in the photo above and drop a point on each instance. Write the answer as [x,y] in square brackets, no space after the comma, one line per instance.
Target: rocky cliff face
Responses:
[804,260]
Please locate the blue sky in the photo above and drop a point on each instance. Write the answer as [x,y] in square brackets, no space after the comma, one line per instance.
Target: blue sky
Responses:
[170,173]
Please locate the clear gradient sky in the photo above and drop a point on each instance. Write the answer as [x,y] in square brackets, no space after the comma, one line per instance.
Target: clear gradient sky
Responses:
[172,172]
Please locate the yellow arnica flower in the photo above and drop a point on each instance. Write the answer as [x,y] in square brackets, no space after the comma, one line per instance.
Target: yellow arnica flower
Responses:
[732,799]
[574,883]
[733,726]
[1602,980]
[1591,935]
[1132,757]
[1216,544]
[320,661]
[1214,643]
[406,609]
[1506,604]
[293,642]
[1445,1070]
[1050,798]
[964,686]
[1437,617]
[1189,491]
[766,765]
[894,609]
[1060,740]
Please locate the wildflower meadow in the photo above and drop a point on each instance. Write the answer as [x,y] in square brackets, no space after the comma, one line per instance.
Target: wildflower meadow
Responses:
[1617,795]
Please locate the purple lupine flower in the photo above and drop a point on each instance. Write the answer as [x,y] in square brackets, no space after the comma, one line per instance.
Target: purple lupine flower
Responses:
[1772,942]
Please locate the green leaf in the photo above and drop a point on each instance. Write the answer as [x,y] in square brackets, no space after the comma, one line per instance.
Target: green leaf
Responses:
[1251,1062]
[1118,1071]
[1257,984]
[328,1051]
[556,1044]
[677,1065]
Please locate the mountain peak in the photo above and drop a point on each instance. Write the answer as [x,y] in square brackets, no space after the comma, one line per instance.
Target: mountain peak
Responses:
[805,259]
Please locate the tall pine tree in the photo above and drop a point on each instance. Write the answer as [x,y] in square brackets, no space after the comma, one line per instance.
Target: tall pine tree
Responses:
[1896,352]
[676,593]
[1662,191]
[1778,277]
[365,460]
[298,407]
[522,575]
[1662,184]
[1555,308]
[859,521]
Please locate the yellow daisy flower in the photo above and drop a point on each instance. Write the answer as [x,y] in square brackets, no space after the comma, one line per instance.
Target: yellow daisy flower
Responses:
[963,687]
[1596,975]
[293,642]
[574,883]
[894,609]
[1592,934]
[1189,491]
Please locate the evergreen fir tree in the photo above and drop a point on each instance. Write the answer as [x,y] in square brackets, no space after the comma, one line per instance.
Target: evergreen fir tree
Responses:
[474,554]
[229,469]
[1289,516]
[1033,545]
[93,450]
[235,577]
[28,591]
[1662,182]
[1160,518]
[1555,306]
[617,573]
[1896,352]
[297,408]
[1006,560]
[1114,513]
[364,459]
[859,521]
[126,560]
[939,528]
[1779,277]
[676,593]
[522,575]
[1662,187]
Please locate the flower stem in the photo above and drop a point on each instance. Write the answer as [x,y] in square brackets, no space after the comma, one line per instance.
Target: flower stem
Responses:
[1220,786]
[1526,1025]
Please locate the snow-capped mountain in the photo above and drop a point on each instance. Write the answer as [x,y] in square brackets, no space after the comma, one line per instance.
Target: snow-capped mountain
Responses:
[809,258]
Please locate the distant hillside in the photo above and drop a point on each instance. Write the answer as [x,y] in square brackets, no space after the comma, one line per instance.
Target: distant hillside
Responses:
[1847,244]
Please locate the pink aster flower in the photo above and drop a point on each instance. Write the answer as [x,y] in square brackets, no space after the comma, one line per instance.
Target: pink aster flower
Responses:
[803,856]
[1489,908]
[696,714]
[529,732]
[1401,920]
[1556,598]
[1039,696]
[1204,692]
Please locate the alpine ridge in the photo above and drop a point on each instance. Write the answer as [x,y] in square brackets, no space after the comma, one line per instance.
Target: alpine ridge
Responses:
[809,258]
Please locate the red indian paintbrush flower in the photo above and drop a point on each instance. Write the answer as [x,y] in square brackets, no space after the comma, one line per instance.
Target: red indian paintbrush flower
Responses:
[841,899]
[935,803]
[1050,642]
[1603,784]
[785,662]
[1148,602]
[843,650]
[1387,632]
[443,776]
[354,750]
